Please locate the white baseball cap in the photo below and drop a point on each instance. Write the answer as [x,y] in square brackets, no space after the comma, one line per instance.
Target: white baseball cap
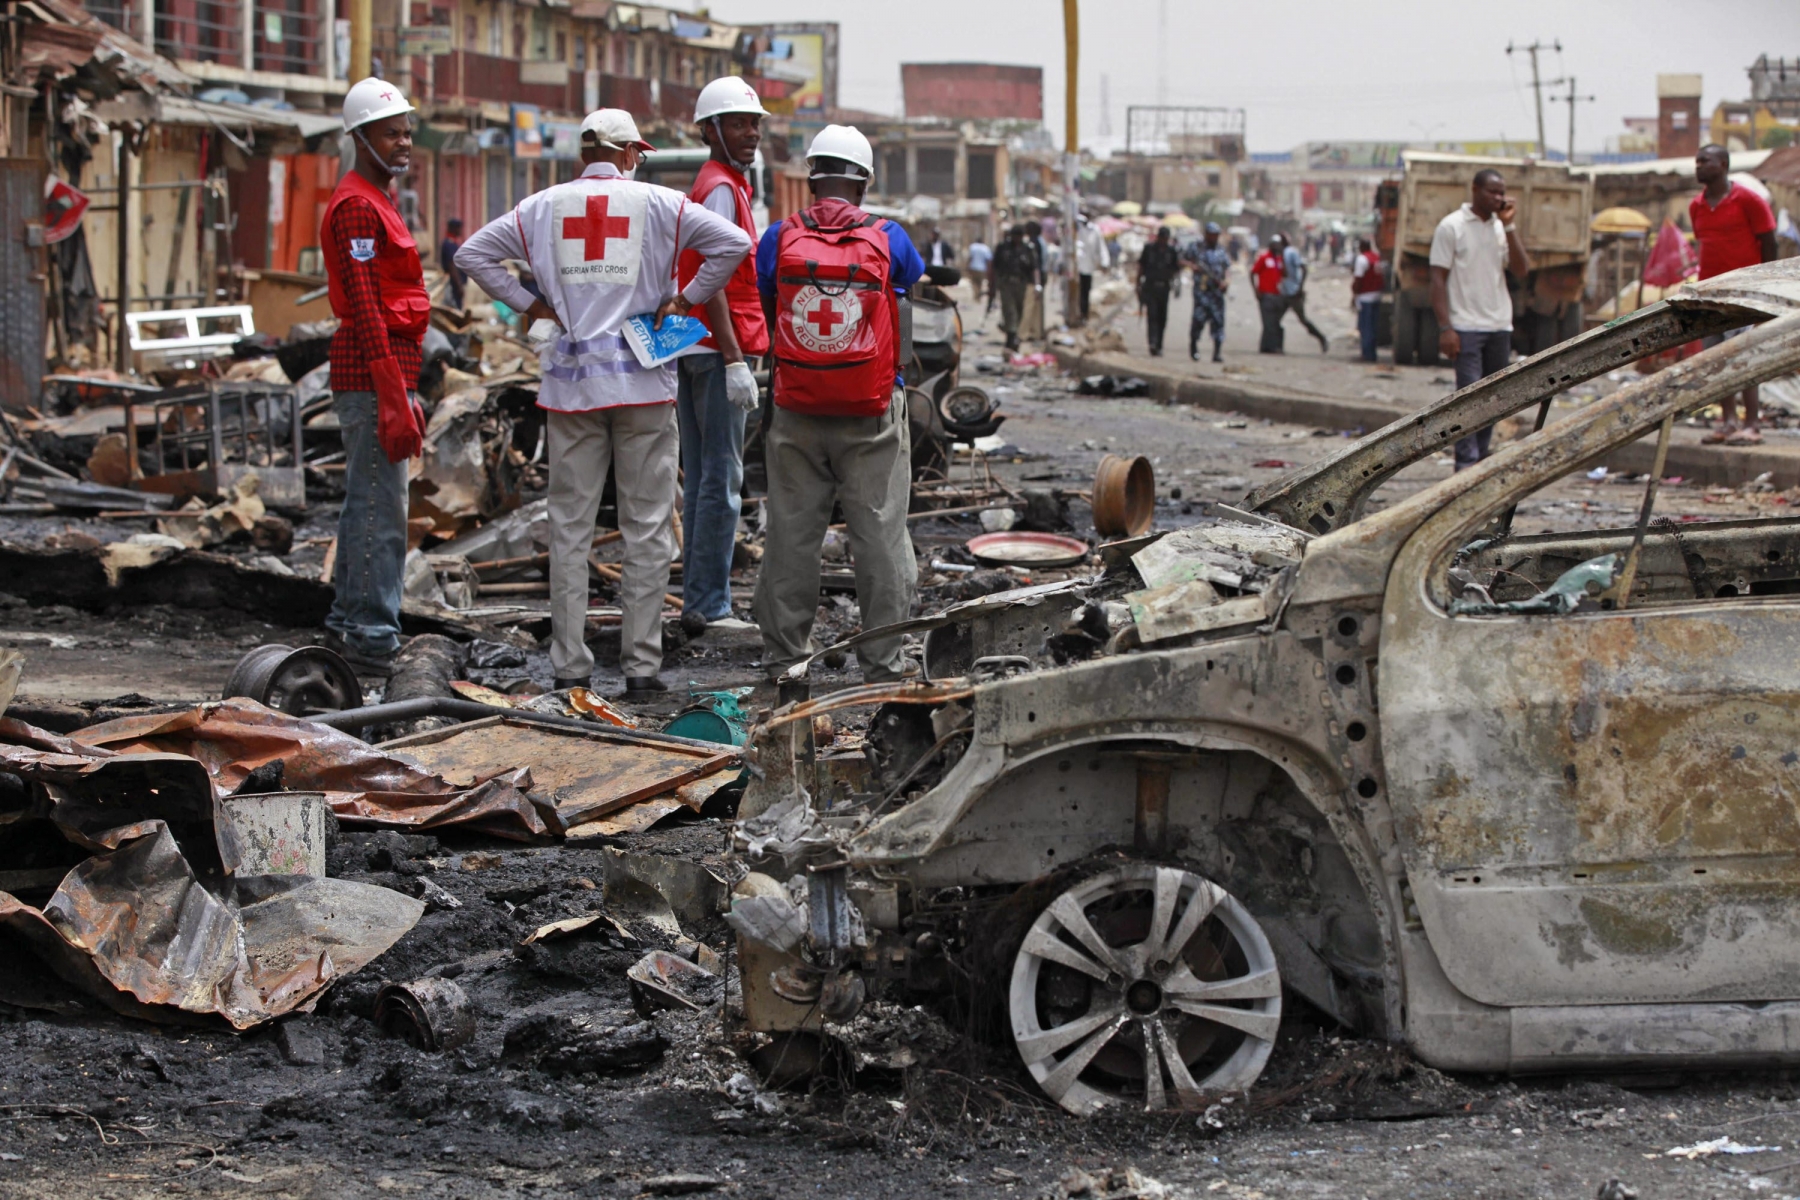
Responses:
[613,129]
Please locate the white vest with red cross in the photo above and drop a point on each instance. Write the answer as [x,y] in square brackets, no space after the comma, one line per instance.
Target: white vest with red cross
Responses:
[602,248]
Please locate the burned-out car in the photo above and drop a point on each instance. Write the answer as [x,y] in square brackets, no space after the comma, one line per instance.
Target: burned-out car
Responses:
[1519,802]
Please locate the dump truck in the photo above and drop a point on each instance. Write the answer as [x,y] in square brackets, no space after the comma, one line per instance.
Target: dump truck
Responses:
[1554,210]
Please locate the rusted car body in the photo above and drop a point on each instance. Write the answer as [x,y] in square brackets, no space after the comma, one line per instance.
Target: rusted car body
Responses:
[1515,836]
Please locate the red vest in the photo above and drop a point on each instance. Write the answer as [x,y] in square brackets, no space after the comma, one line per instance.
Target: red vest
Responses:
[1370,281]
[404,304]
[837,320]
[741,294]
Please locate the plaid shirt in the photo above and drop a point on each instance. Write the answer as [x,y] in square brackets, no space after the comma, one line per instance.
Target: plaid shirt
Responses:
[364,334]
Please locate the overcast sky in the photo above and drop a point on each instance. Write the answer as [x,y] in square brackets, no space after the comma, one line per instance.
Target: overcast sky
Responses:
[1381,69]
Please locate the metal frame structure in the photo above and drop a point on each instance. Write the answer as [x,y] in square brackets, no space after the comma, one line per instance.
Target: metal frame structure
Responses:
[228,441]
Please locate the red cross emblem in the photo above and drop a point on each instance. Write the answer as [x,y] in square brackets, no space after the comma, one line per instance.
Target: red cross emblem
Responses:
[825,317]
[826,324]
[387,95]
[595,229]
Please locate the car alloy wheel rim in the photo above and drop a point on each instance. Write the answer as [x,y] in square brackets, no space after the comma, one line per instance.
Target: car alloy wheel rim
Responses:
[1145,985]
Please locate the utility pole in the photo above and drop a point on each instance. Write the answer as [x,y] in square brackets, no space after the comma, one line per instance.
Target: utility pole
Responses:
[1071,158]
[362,35]
[1537,86]
[1572,100]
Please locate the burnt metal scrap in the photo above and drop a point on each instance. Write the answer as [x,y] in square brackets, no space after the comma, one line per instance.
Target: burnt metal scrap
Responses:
[148,909]
[363,784]
[1490,796]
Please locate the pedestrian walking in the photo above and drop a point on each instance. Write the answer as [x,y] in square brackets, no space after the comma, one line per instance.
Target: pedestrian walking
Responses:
[1015,274]
[604,248]
[831,276]
[1212,276]
[1365,294]
[1266,272]
[981,257]
[1157,267]
[715,388]
[938,252]
[1471,253]
[377,288]
[1090,256]
[1293,288]
[453,274]
[1735,228]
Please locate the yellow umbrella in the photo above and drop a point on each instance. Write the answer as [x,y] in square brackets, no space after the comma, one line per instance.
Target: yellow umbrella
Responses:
[1127,208]
[1179,220]
[1620,220]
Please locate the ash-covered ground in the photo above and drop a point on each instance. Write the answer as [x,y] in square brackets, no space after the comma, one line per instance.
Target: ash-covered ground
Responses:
[569,1087]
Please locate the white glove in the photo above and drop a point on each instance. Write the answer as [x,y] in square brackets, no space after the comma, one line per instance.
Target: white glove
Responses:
[740,386]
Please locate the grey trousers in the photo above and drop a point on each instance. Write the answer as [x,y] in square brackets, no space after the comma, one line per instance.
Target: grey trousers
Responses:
[864,464]
[638,444]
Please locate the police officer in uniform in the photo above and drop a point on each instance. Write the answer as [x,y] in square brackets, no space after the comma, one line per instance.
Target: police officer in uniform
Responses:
[378,294]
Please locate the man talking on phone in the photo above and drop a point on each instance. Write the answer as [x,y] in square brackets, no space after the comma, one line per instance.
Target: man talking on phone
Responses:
[1471,253]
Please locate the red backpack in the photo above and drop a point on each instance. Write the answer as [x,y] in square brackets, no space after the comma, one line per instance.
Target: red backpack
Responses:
[837,320]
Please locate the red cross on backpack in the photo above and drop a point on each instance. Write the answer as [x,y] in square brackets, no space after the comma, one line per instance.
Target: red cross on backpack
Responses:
[837,321]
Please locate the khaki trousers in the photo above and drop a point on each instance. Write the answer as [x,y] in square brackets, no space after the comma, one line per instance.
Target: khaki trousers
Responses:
[864,464]
[638,444]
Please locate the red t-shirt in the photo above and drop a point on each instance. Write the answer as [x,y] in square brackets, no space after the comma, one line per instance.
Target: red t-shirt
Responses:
[1267,271]
[1728,235]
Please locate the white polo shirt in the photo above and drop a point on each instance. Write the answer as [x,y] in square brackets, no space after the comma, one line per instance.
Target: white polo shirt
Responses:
[1474,250]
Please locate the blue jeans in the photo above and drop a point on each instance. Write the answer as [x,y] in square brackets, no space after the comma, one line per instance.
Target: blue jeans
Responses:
[371,546]
[712,460]
[1366,313]
[1484,351]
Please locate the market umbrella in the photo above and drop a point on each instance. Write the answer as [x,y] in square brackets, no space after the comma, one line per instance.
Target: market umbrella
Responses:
[1127,208]
[1179,220]
[1620,220]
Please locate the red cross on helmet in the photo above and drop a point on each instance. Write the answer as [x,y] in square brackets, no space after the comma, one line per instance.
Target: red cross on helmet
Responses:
[371,100]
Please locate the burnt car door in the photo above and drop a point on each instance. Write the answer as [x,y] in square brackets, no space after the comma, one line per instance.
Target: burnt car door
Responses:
[1599,805]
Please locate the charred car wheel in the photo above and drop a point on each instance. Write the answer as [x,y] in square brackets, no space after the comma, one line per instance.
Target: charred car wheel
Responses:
[1145,985]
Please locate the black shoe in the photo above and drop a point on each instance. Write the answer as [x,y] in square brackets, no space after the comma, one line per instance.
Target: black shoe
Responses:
[1218,356]
[1324,346]
[565,682]
[644,685]
[379,665]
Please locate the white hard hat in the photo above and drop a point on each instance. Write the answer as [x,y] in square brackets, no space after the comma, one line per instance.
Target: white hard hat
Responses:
[845,142]
[612,128]
[371,100]
[727,95]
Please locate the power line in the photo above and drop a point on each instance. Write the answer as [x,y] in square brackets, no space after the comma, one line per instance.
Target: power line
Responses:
[1572,100]
[1537,85]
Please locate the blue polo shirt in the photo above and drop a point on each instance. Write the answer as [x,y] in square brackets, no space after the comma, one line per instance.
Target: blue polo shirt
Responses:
[905,266]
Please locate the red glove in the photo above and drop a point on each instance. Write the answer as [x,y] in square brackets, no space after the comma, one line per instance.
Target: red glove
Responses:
[397,428]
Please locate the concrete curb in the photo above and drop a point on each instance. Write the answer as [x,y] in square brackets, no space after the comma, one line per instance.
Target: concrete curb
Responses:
[1705,465]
